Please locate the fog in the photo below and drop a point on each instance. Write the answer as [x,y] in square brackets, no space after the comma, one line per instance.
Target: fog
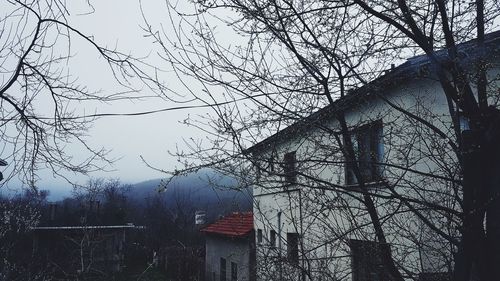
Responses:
[129,139]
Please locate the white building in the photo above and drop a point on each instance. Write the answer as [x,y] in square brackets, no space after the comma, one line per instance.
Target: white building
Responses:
[230,248]
[312,219]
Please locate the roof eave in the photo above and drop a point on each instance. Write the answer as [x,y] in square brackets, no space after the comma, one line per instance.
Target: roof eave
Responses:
[407,70]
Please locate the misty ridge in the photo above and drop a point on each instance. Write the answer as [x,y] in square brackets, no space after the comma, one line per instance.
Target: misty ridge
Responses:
[205,190]
[107,229]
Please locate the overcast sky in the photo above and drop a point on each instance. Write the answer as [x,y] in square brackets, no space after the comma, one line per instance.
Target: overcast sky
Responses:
[117,22]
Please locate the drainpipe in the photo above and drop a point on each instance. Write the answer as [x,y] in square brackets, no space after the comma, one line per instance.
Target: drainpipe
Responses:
[301,238]
[279,247]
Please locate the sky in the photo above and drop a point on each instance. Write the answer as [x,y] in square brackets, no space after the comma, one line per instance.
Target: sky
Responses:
[117,23]
[130,139]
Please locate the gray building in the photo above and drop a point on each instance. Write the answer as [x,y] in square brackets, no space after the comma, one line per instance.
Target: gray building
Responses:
[230,248]
[83,250]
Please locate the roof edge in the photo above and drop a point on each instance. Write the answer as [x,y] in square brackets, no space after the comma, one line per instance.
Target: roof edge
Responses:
[402,71]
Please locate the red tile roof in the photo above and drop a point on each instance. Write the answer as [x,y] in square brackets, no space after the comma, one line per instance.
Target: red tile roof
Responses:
[233,225]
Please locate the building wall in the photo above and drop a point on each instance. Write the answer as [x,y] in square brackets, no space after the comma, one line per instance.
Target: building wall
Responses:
[102,250]
[327,215]
[237,250]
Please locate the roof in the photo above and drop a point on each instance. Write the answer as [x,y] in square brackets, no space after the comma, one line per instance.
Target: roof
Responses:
[233,225]
[407,70]
[87,227]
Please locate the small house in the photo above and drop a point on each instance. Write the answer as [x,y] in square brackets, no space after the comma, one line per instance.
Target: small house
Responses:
[230,248]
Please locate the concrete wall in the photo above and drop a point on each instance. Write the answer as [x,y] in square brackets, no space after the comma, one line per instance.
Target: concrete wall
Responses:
[237,250]
[321,208]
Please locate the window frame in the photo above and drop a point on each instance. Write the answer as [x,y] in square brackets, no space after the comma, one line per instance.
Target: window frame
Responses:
[272,159]
[368,157]
[222,269]
[234,271]
[290,168]
[367,261]
[259,236]
[272,238]
[292,249]
[258,172]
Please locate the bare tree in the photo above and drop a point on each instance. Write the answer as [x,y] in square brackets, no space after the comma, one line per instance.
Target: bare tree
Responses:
[88,241]
[41,99]
[19,215]
[294,58]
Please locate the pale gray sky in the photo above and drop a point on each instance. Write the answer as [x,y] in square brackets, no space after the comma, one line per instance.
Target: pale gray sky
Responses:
[116,23]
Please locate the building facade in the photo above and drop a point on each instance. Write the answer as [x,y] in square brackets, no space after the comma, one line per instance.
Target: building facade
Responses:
[84,251]
[230,248]
[320,214]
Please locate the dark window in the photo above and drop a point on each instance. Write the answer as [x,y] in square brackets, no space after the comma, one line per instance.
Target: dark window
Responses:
[257,172]
[368,146]
[271,162]
[222,269]
[259,236]
[464,123]
[292,244]
[272,238]
[290,168]
[366,261]
[234,271]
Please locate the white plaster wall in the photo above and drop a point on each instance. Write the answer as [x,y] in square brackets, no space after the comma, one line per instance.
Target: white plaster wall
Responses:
[324,218]
[233,250]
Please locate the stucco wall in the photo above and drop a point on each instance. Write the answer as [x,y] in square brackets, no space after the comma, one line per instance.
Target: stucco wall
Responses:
[233,250]
[327,215]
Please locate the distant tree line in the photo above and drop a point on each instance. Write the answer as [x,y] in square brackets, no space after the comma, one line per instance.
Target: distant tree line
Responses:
[100,202]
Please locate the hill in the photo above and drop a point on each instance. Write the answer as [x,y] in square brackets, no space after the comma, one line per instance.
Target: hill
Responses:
[205,190]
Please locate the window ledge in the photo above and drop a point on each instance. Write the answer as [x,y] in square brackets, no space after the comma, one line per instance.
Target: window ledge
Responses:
[372,184]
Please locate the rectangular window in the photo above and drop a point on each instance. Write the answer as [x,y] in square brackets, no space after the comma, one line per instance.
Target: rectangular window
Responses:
[259,236]
[258,172]
[271,162]
[464,123]
[290,168]
[366,260]
[272,238]
[234,271]
[292,244]
[222,270]
[369,149]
